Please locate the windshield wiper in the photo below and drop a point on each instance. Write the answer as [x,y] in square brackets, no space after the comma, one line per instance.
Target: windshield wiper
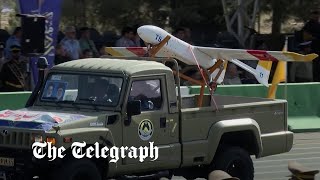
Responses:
[57,103]
[91,100]
[69,102]
[49,98]
[53,99]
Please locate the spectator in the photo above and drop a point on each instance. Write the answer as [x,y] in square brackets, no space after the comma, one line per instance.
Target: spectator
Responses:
[232,75]
[16,55]
[138,41]
[188,38]
[70,44]
[61,55]
[302,71]
[86,42]
[14,74]
[192,72]
[311,29]
[87,53]
[311,32]
[127,39]
[180,33]
[2,58]
[102,50]
[15,39]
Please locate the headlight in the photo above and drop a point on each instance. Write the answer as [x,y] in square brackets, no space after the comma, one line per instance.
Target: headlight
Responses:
[51,140]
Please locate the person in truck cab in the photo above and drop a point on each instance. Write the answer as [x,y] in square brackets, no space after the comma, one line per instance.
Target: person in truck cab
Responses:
[112,94]
[105,92]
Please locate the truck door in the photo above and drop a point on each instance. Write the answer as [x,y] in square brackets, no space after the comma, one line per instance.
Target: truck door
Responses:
[154,124]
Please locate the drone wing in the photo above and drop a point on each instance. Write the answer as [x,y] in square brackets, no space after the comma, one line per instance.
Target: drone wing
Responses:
[262,55]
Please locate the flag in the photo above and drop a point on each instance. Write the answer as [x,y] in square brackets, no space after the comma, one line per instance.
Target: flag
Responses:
[280,74]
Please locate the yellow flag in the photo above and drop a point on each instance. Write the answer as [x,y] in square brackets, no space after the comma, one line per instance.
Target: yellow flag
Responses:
[280,74]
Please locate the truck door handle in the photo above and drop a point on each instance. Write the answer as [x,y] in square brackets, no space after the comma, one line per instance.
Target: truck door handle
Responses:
[163,122]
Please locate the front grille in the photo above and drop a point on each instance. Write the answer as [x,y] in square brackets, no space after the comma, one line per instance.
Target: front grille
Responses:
[13,138]
[24,165]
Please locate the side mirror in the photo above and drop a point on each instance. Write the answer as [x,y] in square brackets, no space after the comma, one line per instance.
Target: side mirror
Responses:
[42,63]
[134,108]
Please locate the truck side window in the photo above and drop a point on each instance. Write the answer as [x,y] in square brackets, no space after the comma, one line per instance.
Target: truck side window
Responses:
[148,92]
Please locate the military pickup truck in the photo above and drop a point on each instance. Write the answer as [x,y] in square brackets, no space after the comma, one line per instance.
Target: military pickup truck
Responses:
[127,102]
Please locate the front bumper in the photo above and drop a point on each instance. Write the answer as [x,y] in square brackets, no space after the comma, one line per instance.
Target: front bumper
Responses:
[22,166]
[25,164]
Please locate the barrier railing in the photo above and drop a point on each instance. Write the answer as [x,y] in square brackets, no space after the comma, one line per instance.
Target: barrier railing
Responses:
[303,100]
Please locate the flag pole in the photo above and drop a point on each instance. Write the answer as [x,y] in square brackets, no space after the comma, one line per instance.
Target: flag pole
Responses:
[280,75]
[286,70]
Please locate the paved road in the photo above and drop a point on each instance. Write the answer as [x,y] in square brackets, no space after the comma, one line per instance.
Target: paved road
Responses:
[306,150]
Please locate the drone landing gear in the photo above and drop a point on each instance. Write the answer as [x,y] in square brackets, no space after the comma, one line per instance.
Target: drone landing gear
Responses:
[204,82]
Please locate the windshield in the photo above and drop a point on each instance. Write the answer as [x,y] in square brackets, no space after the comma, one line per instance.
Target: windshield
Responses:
[82,89]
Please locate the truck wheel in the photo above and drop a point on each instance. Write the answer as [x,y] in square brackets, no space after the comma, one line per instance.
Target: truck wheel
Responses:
[82,169]
[235,161]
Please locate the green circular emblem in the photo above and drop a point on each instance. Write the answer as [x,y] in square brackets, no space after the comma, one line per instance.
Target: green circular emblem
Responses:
[145,129]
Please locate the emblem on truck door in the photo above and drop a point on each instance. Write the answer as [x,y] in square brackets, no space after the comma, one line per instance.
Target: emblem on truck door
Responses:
[145,129]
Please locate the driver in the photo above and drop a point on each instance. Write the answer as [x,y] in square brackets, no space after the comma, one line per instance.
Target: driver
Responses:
[112,94]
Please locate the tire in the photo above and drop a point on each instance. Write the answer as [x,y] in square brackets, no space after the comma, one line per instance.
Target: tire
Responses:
[82,169]
[166,177]
[235,161]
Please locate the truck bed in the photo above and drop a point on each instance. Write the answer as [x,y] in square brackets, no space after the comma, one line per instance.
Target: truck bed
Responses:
[270,116]
[190,101]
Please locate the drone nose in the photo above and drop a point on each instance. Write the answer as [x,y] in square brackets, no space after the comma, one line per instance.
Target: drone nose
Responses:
[141,29]
[145,34]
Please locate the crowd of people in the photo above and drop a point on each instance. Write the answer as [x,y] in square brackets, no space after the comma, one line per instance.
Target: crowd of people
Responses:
[14,68]
[15,72]
[309,42]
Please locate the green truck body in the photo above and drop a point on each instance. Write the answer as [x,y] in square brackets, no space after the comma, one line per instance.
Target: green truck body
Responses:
[189,138]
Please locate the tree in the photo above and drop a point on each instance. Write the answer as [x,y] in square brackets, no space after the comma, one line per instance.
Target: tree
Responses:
[283,10]
[206,16]
[10,16]
[114,14]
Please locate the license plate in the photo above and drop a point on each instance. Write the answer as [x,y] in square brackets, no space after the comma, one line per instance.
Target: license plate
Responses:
[6,161]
